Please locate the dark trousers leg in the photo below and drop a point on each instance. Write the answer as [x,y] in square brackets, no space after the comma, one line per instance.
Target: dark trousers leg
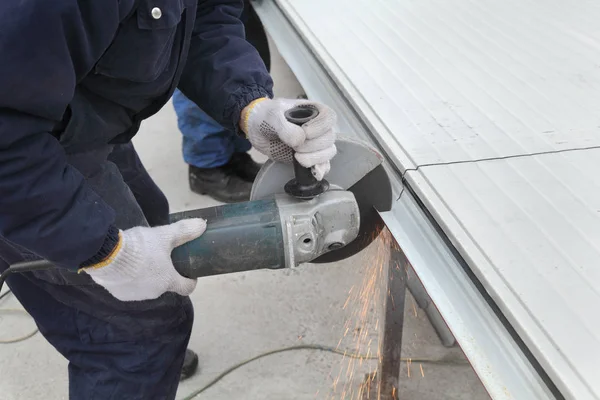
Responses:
[151,199]
[116,350]
[105,360]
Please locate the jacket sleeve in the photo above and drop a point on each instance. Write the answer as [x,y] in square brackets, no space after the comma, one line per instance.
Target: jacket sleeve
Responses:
[223,72]
[46,48]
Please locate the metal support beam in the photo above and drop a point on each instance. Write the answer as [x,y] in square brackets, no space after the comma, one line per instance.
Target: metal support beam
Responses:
[415,287]
[391,342]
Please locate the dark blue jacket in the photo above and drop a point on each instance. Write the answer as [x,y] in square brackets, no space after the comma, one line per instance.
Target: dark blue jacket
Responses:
[78,74]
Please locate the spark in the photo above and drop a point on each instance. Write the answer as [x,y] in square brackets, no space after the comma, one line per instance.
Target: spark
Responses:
[362,305]
[422,373]
[346,303]
[414,308]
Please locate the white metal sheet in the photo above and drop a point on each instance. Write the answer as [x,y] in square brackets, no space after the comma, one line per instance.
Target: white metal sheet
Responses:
[464,79]
[529,227]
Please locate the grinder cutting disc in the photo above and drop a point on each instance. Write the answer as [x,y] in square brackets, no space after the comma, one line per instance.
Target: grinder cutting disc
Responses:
[357,168]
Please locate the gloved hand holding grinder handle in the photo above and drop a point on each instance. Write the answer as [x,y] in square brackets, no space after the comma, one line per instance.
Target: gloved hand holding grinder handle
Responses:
[140,266]
[311,143]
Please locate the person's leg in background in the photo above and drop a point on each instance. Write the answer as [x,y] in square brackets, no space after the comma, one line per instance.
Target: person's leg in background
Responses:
[211,153]
[219,163]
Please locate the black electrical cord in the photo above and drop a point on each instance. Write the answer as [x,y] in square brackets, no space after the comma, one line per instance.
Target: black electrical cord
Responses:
[26,266]
[3,295]
[17,268]
[3,277]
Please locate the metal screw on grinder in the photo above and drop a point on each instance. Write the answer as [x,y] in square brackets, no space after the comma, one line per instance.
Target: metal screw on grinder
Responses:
[335,246]
[304,186]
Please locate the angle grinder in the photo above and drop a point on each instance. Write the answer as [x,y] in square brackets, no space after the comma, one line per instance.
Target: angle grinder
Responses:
[291,217]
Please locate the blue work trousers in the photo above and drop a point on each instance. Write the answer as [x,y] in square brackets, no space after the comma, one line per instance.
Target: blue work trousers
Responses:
[206,144]
[116,350]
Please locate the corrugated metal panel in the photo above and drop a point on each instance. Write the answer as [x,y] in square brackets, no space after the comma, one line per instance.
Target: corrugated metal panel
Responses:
[464,79]
[530,229]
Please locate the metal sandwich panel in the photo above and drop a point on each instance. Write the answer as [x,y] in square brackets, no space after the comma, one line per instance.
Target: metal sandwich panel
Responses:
[502,366]
[529,227]
[462,80]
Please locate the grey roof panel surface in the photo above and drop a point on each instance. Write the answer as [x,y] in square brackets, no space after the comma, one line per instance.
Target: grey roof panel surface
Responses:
[529,228]
[491,110]
[465,80]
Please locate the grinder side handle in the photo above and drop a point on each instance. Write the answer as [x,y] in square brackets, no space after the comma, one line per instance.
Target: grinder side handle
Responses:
[304,186]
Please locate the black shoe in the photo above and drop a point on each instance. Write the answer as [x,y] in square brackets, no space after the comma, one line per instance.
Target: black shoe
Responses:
[244,166]
[190,364]
[220,183]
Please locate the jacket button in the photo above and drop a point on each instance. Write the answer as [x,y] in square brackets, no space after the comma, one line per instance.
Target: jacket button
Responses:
[156,13]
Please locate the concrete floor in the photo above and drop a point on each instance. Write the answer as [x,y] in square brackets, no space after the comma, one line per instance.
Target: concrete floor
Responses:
[240,316]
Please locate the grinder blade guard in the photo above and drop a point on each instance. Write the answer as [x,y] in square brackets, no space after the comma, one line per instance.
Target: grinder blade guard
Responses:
[356,168]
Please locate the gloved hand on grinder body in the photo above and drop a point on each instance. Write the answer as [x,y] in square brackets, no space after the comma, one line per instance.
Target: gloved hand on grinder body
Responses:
[264,123]
[140,266]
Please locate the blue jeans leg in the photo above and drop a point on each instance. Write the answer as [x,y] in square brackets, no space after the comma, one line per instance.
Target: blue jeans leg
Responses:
[206,144]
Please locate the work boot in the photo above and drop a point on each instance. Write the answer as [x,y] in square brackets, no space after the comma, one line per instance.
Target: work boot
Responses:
[221,183]
[244,166]
[190,364]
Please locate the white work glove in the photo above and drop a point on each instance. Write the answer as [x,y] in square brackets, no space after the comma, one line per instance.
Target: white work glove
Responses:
[265,124]
[140,267]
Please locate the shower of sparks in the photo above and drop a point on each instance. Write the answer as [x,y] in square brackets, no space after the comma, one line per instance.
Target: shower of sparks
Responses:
[362,326]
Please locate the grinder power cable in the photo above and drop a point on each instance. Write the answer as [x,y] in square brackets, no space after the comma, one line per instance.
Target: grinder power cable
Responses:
[291,218]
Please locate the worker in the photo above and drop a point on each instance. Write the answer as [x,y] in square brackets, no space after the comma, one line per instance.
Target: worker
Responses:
[77,78]
[218,159]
